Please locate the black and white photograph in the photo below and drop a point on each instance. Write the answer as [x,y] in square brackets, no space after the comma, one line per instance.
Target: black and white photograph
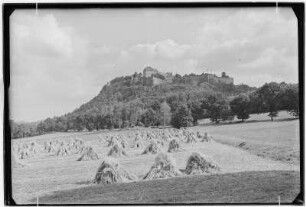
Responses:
[154,104]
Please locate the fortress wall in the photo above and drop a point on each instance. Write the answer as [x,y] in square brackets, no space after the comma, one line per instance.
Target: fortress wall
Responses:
[227,80]
[148,72]
[213,79]
[149,80]
[157,81]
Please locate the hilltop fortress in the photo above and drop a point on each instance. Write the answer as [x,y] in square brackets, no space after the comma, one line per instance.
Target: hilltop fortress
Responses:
[152,77]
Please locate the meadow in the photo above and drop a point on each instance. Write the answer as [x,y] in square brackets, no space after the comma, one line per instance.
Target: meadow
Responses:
[263,169]
[277,140]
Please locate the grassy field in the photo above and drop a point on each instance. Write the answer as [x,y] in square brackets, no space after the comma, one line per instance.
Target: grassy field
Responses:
[277,140]
[243,187]
[244,176]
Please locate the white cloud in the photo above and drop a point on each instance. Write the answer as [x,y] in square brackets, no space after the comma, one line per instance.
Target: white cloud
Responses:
[168,49]
[48,67]
[259,26]
[274,64]
[249,42]
[40,35]
[58,63]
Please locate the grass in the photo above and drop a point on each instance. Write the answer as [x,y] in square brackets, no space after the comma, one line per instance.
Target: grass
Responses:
[277,140]
[243,187]
[282,116]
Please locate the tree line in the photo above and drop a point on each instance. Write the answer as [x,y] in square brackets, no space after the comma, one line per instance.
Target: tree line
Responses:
[179,109]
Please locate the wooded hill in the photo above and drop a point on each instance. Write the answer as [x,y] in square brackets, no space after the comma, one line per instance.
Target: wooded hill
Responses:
[126,102]
[130,89]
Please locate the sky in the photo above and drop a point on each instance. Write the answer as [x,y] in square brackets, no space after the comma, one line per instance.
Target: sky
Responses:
[60,59]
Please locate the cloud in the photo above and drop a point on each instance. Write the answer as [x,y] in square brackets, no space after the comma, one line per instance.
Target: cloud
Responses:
[168,49]
[246,41]
[251,41]
[274,64]
[58,63]
[41,35]
[262,26]
[48,67]
[166,55]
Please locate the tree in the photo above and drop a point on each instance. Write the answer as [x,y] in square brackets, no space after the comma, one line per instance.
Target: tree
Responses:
[226,114]
[78,123]
[165,111]
[149,118]
[182,117]
[41,128]
[117,117]
[290,99]
[98,122]
[240,106]
[216,108]
[255,103]
[109,122]
[155,105]
[88,121]
[270,95]
[178,79]
[173,101]
[196,111]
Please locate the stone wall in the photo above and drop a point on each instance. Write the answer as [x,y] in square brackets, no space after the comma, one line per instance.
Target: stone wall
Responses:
[150,80]
[157,81]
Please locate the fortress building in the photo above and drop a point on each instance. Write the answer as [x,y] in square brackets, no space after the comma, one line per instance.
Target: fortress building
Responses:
[212,78]
[152,77]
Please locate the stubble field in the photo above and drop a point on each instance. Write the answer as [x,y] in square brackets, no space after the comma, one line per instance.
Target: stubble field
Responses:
[263,169]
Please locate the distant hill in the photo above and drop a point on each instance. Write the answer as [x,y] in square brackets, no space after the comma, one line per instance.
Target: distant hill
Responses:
[136,100]
[135,87]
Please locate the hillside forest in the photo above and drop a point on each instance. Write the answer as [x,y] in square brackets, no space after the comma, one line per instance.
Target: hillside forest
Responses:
[125,102]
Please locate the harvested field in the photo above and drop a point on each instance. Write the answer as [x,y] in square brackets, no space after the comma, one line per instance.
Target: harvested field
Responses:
[64,172]
[45,175]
